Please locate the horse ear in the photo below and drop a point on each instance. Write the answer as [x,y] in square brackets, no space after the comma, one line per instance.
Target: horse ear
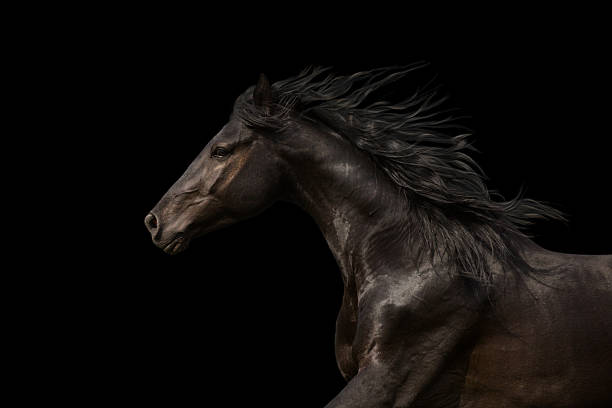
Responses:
[262,94]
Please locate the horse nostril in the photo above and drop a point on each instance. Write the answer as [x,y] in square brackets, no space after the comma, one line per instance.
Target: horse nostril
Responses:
[151,223]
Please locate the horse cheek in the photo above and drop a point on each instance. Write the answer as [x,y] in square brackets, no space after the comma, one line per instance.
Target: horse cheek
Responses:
[253,189]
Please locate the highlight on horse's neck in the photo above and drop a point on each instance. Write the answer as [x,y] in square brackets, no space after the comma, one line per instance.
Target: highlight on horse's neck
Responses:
[341,188]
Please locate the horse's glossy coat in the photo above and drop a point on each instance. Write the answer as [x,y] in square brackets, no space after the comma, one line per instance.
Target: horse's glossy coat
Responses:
[410,333]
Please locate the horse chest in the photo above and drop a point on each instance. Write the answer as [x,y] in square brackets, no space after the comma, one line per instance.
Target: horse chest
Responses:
[346,326]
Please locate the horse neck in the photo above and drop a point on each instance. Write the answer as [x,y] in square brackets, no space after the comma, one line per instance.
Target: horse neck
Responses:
[343,190]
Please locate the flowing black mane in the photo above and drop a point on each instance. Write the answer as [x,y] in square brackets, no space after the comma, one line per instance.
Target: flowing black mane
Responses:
[419,147]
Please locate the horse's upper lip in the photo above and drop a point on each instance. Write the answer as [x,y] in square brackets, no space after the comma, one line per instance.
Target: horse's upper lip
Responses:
[176,245]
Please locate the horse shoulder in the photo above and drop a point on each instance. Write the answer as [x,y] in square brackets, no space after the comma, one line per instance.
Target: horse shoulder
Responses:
[397,311]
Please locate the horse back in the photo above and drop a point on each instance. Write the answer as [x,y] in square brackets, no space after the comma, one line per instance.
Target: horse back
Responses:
[548,338]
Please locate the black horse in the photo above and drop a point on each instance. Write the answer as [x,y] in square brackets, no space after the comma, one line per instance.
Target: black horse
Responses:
[446,302]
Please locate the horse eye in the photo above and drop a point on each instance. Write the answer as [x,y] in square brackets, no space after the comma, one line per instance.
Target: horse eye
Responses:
[220,152]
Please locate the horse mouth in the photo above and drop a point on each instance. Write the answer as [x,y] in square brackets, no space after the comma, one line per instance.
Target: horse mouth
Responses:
[178,244]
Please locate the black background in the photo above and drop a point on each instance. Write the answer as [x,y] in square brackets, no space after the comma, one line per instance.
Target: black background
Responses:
[247,314]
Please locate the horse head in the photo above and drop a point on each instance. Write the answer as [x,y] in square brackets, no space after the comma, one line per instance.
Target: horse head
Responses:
[234,177]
